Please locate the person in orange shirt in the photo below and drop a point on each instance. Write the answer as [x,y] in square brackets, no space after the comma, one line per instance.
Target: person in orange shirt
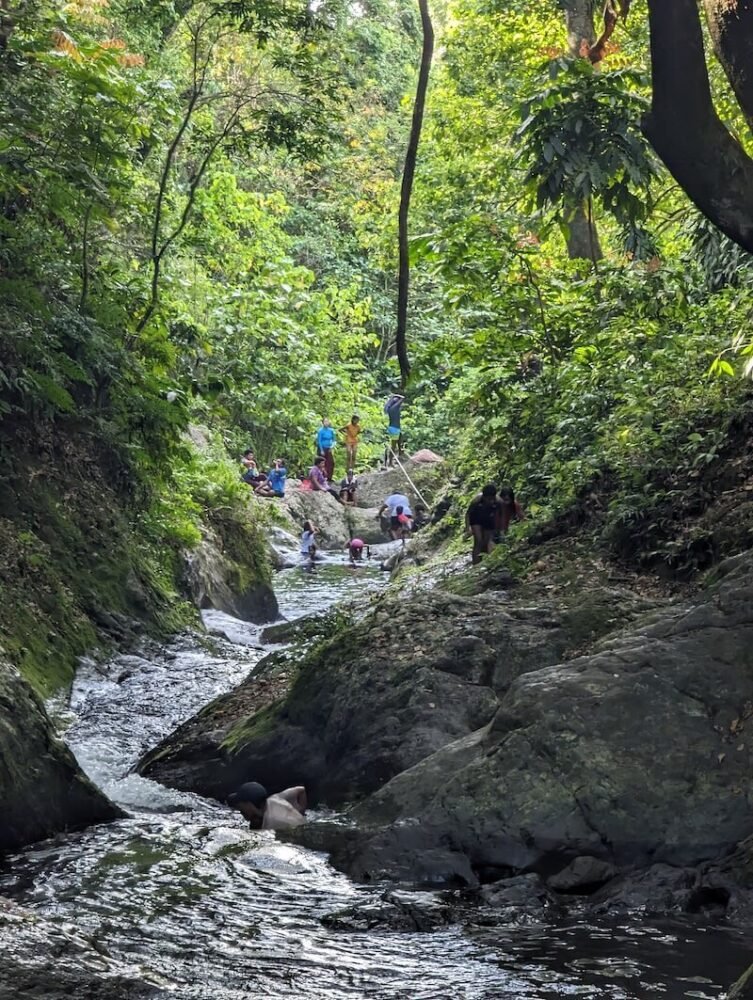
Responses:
[351,432]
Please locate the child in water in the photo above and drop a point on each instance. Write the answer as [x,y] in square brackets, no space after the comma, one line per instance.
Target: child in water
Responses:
[355,549]
[308,543]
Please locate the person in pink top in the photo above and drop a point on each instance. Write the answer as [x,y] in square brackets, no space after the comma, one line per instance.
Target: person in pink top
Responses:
[355,549]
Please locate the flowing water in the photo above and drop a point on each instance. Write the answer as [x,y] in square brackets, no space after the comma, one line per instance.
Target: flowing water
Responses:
[183,895]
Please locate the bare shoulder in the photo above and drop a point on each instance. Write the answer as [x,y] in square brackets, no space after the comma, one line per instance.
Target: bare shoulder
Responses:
[296,796]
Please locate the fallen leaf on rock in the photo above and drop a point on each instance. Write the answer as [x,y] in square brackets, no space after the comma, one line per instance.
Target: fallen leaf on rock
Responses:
[735,725]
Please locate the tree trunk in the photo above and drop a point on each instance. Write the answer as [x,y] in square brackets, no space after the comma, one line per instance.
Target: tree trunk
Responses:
[406,190]
[731,27]
[582,236]
[707,162]
[579,21]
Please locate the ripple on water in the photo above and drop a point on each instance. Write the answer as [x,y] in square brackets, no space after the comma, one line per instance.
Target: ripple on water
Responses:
[182,892]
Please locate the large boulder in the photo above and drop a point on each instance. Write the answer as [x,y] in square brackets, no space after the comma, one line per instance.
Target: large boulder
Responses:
[421,478]
[636,754]
[42,789]
[385,693]
[215,579]
[329,516]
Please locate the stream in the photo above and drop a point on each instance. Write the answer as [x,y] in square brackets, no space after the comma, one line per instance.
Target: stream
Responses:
[183,895]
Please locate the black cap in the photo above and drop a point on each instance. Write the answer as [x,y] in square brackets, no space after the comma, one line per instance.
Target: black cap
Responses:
[251,792]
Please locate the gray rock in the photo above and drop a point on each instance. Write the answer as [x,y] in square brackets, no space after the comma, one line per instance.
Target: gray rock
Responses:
[42,788]
[522,895]
[634,754]
[584,873]
[329,516]
[395,911]
[377,698]
[214,580]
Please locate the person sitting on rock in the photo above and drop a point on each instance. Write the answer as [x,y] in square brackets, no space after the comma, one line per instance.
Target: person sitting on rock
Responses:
[355,549]
[482,519]
[255,479]
[319,482]
[282,811]
[348,487]
[276,478]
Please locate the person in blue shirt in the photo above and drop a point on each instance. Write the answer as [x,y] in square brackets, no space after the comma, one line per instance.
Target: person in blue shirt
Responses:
[276,478]
[325,442]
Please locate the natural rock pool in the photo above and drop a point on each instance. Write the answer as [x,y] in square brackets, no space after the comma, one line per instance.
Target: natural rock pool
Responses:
[181,899]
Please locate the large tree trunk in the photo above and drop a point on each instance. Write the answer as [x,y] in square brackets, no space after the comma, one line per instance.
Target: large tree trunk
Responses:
[582,236]
[406,190]
[731,27]
[707,162]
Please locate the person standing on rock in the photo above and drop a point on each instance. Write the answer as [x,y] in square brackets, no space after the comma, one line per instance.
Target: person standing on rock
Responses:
[393,408]
[482,519]
[351,432]
[282,811]
[325,442]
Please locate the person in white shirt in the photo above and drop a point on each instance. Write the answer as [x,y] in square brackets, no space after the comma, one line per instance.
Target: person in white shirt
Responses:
[308,542]
[283,811]
[391,504]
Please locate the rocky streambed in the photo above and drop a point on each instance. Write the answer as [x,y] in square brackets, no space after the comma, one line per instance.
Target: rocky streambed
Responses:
[402,710]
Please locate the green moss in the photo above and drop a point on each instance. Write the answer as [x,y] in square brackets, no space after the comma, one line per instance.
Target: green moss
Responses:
[253,727]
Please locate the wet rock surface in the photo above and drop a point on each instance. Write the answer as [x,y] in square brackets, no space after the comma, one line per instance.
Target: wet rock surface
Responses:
[481,735]
[633,754]
[395,911]
[379,697]
[42,788]
[214,580]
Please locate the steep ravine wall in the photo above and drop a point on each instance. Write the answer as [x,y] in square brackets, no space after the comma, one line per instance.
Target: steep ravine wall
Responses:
[79,571]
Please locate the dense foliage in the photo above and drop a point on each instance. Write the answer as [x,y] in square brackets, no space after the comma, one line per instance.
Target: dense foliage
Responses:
[198,222]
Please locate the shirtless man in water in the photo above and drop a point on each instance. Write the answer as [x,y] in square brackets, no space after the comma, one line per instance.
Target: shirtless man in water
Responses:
[282,811]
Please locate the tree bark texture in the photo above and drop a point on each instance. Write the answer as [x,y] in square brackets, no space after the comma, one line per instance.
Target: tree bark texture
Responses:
[707,161]
[406,190]
[731,28]
[582,236]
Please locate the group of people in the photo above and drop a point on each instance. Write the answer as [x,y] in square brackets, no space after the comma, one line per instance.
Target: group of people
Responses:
[488,518]
[264,484]
[355,547]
